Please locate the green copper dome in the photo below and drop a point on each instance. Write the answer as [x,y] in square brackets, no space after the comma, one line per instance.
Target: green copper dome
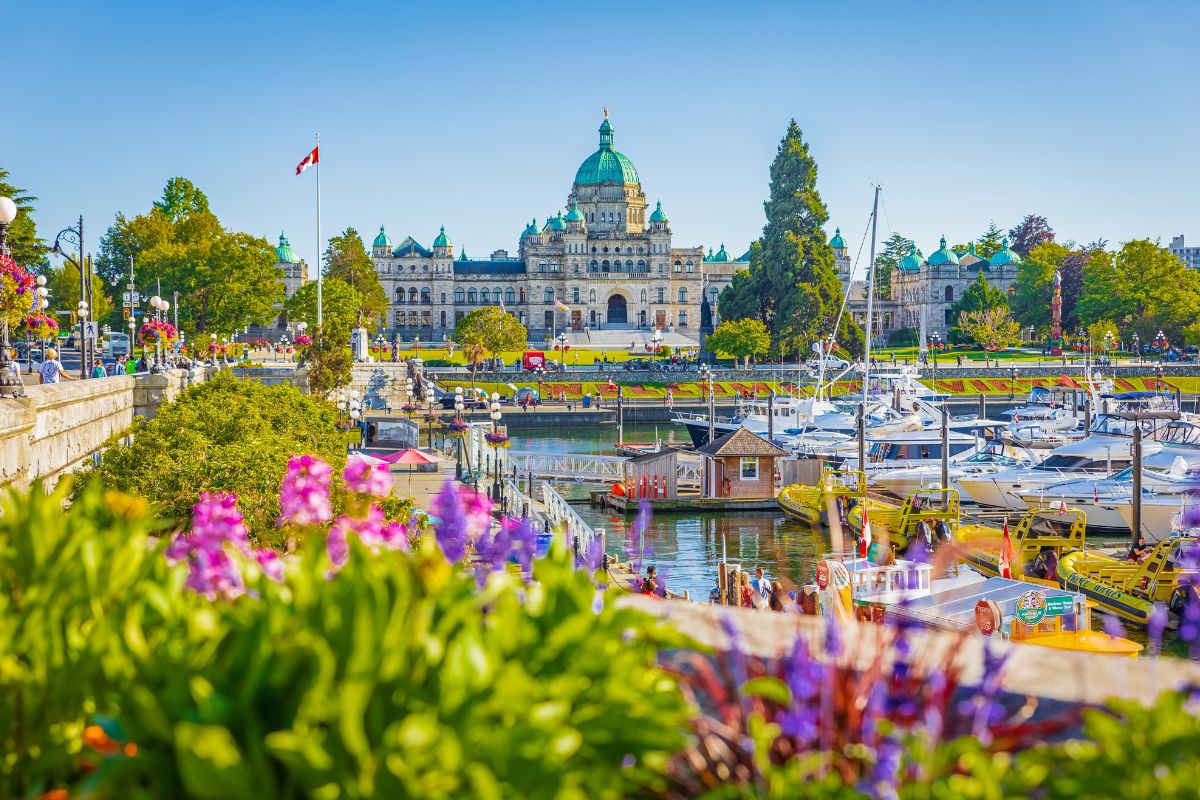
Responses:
[721,254]
[837,242]
[943,255]
[1004,256]
[658,215]
[382,239]
[556,223]
[531,229]
[442,239]
[574,215]
[912,261]
[606,165]
[285,253]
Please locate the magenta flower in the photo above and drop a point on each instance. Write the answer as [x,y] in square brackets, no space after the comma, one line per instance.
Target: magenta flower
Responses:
[363,478]
[271,564]
[304,496]
[216,523]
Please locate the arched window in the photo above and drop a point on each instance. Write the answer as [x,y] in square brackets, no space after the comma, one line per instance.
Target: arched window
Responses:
[554,266]
[592,296]
[485,296]
[541,266]
[399,294]
[604,266]
[548,296]
[642,265]
[682,295]
[629,266]
[688,267]
[472,297]
[459,296]
[425,296]
[510,296]
[678,266]
[594,266]
[712,295]
[949,294]
[412,295]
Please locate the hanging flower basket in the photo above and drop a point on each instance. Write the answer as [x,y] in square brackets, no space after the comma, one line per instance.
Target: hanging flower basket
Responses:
[408,408]
[458,428]
[155,331]
[17,287]
[41,326]
[302,340]
[497,440]
[431,416]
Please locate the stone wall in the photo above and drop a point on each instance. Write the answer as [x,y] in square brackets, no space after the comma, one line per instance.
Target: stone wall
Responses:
[55,428]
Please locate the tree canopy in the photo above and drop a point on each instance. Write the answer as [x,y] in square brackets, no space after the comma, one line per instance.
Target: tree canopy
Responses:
[791,285]
[346,259]
[1143,287]
[495,330]
[740,338]
[225,279]
[1029,233]
[1033,288]
[989,327]
[340,304]
[979,296]
[895,248]
[28,249]
[990,242]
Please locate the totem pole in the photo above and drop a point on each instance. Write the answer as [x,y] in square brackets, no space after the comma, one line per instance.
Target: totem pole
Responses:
[1056,316]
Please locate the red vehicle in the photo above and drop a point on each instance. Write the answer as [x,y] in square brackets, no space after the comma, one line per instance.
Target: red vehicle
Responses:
[533,359]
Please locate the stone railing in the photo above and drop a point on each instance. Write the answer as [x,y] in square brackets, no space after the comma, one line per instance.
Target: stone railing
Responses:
[55,428]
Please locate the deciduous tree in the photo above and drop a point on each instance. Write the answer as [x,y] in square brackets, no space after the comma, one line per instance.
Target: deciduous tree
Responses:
[1033,288]
[979,296]
[1144,287]
[1029,233]
[740,338]
[989,327]
[346,259]
[488,330]
[340,304]
[791,285]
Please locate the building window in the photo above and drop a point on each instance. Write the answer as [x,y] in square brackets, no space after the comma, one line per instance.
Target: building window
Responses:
[459,296]
[472,297]
[412,295]
[425,296]
[594,266]
[661,291]
[485,296]
[400,295]
[443,315]
[642,265]
[554,266]
[604,266]
[509,296]
[496,295]
[443,300]
[629,266]
[683,319]
[749,468]
[949,294]
[660,268]
[688,267]
[682,295]
[575,295]
[678,267]
[541,266]
[548,296]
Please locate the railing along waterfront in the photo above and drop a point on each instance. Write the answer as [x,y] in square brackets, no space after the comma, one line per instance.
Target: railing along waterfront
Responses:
[575,468]
[559,512]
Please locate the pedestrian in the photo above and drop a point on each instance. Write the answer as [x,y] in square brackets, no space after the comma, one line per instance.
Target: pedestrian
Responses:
[670,399]
[760,584]
[52,369]
[13,366]
[98,370]
[776,601]
[746,594]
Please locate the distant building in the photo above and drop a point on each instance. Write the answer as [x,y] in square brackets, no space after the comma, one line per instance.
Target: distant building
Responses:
[293,271]
[1190,255]
[605,262]
[934,284]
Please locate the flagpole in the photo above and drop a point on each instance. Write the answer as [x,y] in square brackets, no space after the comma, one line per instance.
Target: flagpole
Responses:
[320,267]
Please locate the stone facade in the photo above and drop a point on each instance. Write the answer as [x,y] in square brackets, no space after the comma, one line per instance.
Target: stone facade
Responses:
[293,273]
[926,287]
[603,263]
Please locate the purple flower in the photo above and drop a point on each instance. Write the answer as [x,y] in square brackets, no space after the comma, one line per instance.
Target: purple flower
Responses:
[271,564]
[1155,626]
[886,772]
[452,528]
[987,709]
[304,496]
[363,478]
[1113,627]
[523,542]
[805,677]
[336,543]
[592,557]
[216,524]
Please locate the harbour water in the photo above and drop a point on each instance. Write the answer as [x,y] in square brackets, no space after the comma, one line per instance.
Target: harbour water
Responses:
[687,547]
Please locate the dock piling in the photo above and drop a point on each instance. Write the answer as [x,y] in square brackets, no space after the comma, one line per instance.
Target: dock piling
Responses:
[1137,485]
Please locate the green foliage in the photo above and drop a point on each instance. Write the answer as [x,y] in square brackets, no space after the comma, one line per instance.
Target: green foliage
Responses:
[27,248]
[990,242]
[68,585]
[63,283]
[225,434]
[1143,287]
[346,259]
[989,327]
[740,338]
[397,679]
[979,296]
[904,337]
[791,285]
[1033,288]
[329,361]
[225,279]
[340,303]
[491,327]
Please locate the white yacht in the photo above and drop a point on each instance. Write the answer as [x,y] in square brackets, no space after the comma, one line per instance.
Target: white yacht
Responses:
[1164,516]
[990,457]
[1102,498]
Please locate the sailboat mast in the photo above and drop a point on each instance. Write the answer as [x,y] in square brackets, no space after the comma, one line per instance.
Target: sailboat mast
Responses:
[870,300]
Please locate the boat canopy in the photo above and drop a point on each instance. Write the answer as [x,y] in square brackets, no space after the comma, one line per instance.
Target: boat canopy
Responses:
[955,608]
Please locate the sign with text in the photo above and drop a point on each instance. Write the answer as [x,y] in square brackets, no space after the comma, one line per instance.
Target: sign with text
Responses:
[1031,607]
[1060,605]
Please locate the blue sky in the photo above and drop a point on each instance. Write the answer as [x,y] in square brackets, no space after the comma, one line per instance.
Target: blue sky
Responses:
[476,115]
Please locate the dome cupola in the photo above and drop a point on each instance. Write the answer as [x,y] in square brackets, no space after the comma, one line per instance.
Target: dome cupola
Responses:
[943,255]
[606,165]
[382,239]
[442,239]
[285,253]
[658,215]
[912,261]
[837,242]
[1004,256]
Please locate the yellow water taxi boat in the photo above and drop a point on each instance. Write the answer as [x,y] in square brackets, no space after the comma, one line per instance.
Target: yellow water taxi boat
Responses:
[1130,589]
[899,524]
[811,504]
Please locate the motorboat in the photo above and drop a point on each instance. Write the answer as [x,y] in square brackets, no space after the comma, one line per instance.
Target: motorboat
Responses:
[990,457]
[906,450]
[1102,498]
[1164,516]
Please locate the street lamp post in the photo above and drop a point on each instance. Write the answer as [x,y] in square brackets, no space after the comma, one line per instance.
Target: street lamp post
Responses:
[75,236]
[458,410]
[81,311]
[937,339]
[1137,350]
[562,350]
[495,409]
[10,383]
[1012,383]
[655,340]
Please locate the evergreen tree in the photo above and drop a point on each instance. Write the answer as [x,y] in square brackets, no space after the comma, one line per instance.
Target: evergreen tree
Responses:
[346,259]
[990,242]
[895,248]
[979,296]
[27,249]
[792,284]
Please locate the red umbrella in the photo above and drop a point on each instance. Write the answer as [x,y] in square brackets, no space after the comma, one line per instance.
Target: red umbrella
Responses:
[411,456]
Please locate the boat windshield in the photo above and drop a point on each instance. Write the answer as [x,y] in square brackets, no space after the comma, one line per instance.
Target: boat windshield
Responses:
[1180,433]
[1116,426]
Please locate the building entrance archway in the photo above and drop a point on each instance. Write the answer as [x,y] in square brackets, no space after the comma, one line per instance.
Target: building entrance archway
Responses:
[618,313]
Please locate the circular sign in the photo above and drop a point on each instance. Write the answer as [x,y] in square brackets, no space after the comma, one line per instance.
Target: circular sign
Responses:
[987,617]
[1031,607]
[823,574]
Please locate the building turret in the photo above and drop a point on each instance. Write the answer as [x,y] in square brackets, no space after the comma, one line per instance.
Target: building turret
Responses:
[838,244]
[658,219]
[442,246]
[943,255]
[382,245]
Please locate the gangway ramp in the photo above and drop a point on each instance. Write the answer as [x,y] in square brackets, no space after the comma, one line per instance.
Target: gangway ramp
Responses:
[587,468]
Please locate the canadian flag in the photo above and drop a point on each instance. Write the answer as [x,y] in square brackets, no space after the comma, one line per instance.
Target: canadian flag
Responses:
[1006,554]
[312,158]
[865,543]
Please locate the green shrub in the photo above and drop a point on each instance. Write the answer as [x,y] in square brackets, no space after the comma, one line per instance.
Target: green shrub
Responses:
[225,434]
